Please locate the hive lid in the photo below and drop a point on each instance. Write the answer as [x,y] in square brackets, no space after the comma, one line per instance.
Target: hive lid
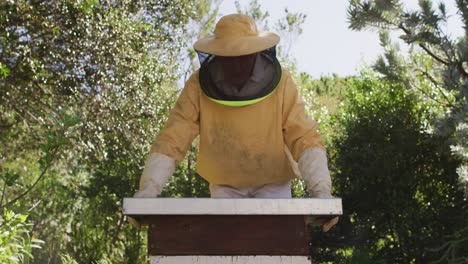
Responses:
[229,206]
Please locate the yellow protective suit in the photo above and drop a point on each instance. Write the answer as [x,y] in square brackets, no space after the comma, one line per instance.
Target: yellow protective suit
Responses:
[240,146]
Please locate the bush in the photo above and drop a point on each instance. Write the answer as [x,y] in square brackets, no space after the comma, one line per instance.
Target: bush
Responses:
[398,182]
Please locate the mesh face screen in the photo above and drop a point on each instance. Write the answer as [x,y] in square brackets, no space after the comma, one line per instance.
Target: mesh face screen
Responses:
[266,75]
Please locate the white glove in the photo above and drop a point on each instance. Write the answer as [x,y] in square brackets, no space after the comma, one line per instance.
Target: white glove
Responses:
[314,169]
[158,169]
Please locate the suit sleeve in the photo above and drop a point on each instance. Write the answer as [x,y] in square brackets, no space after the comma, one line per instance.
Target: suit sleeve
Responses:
[299,130]
[182,125]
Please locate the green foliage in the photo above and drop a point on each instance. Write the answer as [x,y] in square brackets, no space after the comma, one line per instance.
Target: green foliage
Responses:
[327,91]
[15,239]
[444,66]
[370,13]
[113,64]
[16,242]
[398,182]
[66,259]
[454,248]
[4,71]
[436,71]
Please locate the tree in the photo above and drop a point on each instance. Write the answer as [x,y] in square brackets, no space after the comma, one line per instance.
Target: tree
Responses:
[112,64]
[443,66]
[436,70]
[397,181]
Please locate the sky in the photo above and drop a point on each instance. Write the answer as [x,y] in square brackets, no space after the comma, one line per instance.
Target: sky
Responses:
[327,45]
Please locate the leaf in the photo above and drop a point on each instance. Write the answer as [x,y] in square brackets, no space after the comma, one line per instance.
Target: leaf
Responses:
[35,246]
[8,215]
[71,120]
[443,10]
[4,70]
[13,258]
[54,119]
[11,178]
[22,218]
[38,241]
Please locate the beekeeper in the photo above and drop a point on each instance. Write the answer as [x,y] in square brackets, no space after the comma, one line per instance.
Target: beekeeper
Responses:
[250,118]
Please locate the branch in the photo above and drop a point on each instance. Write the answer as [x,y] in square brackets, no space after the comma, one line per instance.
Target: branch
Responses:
[119,226]
[437,58]
[35,183]
[436,84]
[428,96]
[3,194]
[421,45]
[433,55]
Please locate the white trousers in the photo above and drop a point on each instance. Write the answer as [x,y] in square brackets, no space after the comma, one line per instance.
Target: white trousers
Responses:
[271,190]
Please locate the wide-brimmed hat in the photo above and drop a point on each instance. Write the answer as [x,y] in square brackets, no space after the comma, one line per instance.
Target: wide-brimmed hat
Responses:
[236,35]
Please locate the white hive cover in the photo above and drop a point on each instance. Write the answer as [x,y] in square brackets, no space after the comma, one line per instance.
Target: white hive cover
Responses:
[229,206]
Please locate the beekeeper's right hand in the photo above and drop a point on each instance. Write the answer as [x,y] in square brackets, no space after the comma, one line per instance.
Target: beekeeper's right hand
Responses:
[158,169]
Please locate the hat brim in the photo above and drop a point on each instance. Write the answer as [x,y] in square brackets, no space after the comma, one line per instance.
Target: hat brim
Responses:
[230,47]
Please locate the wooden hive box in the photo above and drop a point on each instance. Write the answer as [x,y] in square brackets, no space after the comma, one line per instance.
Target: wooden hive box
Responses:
[225,230]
